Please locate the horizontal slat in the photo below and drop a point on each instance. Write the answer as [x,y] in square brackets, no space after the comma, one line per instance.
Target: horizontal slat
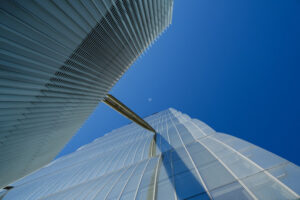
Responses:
[58,60]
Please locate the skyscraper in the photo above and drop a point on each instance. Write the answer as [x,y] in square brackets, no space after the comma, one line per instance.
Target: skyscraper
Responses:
[192,161]
[58,61]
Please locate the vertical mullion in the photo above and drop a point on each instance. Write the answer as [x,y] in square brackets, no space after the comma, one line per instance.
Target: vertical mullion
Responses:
[229,170]
[196,169]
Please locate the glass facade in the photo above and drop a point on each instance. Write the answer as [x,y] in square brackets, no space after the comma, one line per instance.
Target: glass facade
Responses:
[58,60]
[192,162]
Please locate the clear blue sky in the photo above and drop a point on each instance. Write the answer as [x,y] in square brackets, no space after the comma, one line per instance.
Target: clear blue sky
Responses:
[233,64]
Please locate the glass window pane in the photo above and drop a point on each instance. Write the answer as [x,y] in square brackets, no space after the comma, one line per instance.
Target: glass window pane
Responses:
[289,174]
[184,134]
[263,158]
[165,190]
[188,184]
[266,188]
[194,130]
[239,166]
[200,155]
[233,191]
[215,175]
[202,196]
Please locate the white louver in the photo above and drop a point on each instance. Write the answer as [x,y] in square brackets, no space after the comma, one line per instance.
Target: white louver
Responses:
[58,61]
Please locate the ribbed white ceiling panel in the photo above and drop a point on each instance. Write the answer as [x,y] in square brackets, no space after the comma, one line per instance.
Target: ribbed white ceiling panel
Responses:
[58,59]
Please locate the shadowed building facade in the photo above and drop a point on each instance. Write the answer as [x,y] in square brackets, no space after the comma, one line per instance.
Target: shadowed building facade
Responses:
[192,161]
[58,60]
